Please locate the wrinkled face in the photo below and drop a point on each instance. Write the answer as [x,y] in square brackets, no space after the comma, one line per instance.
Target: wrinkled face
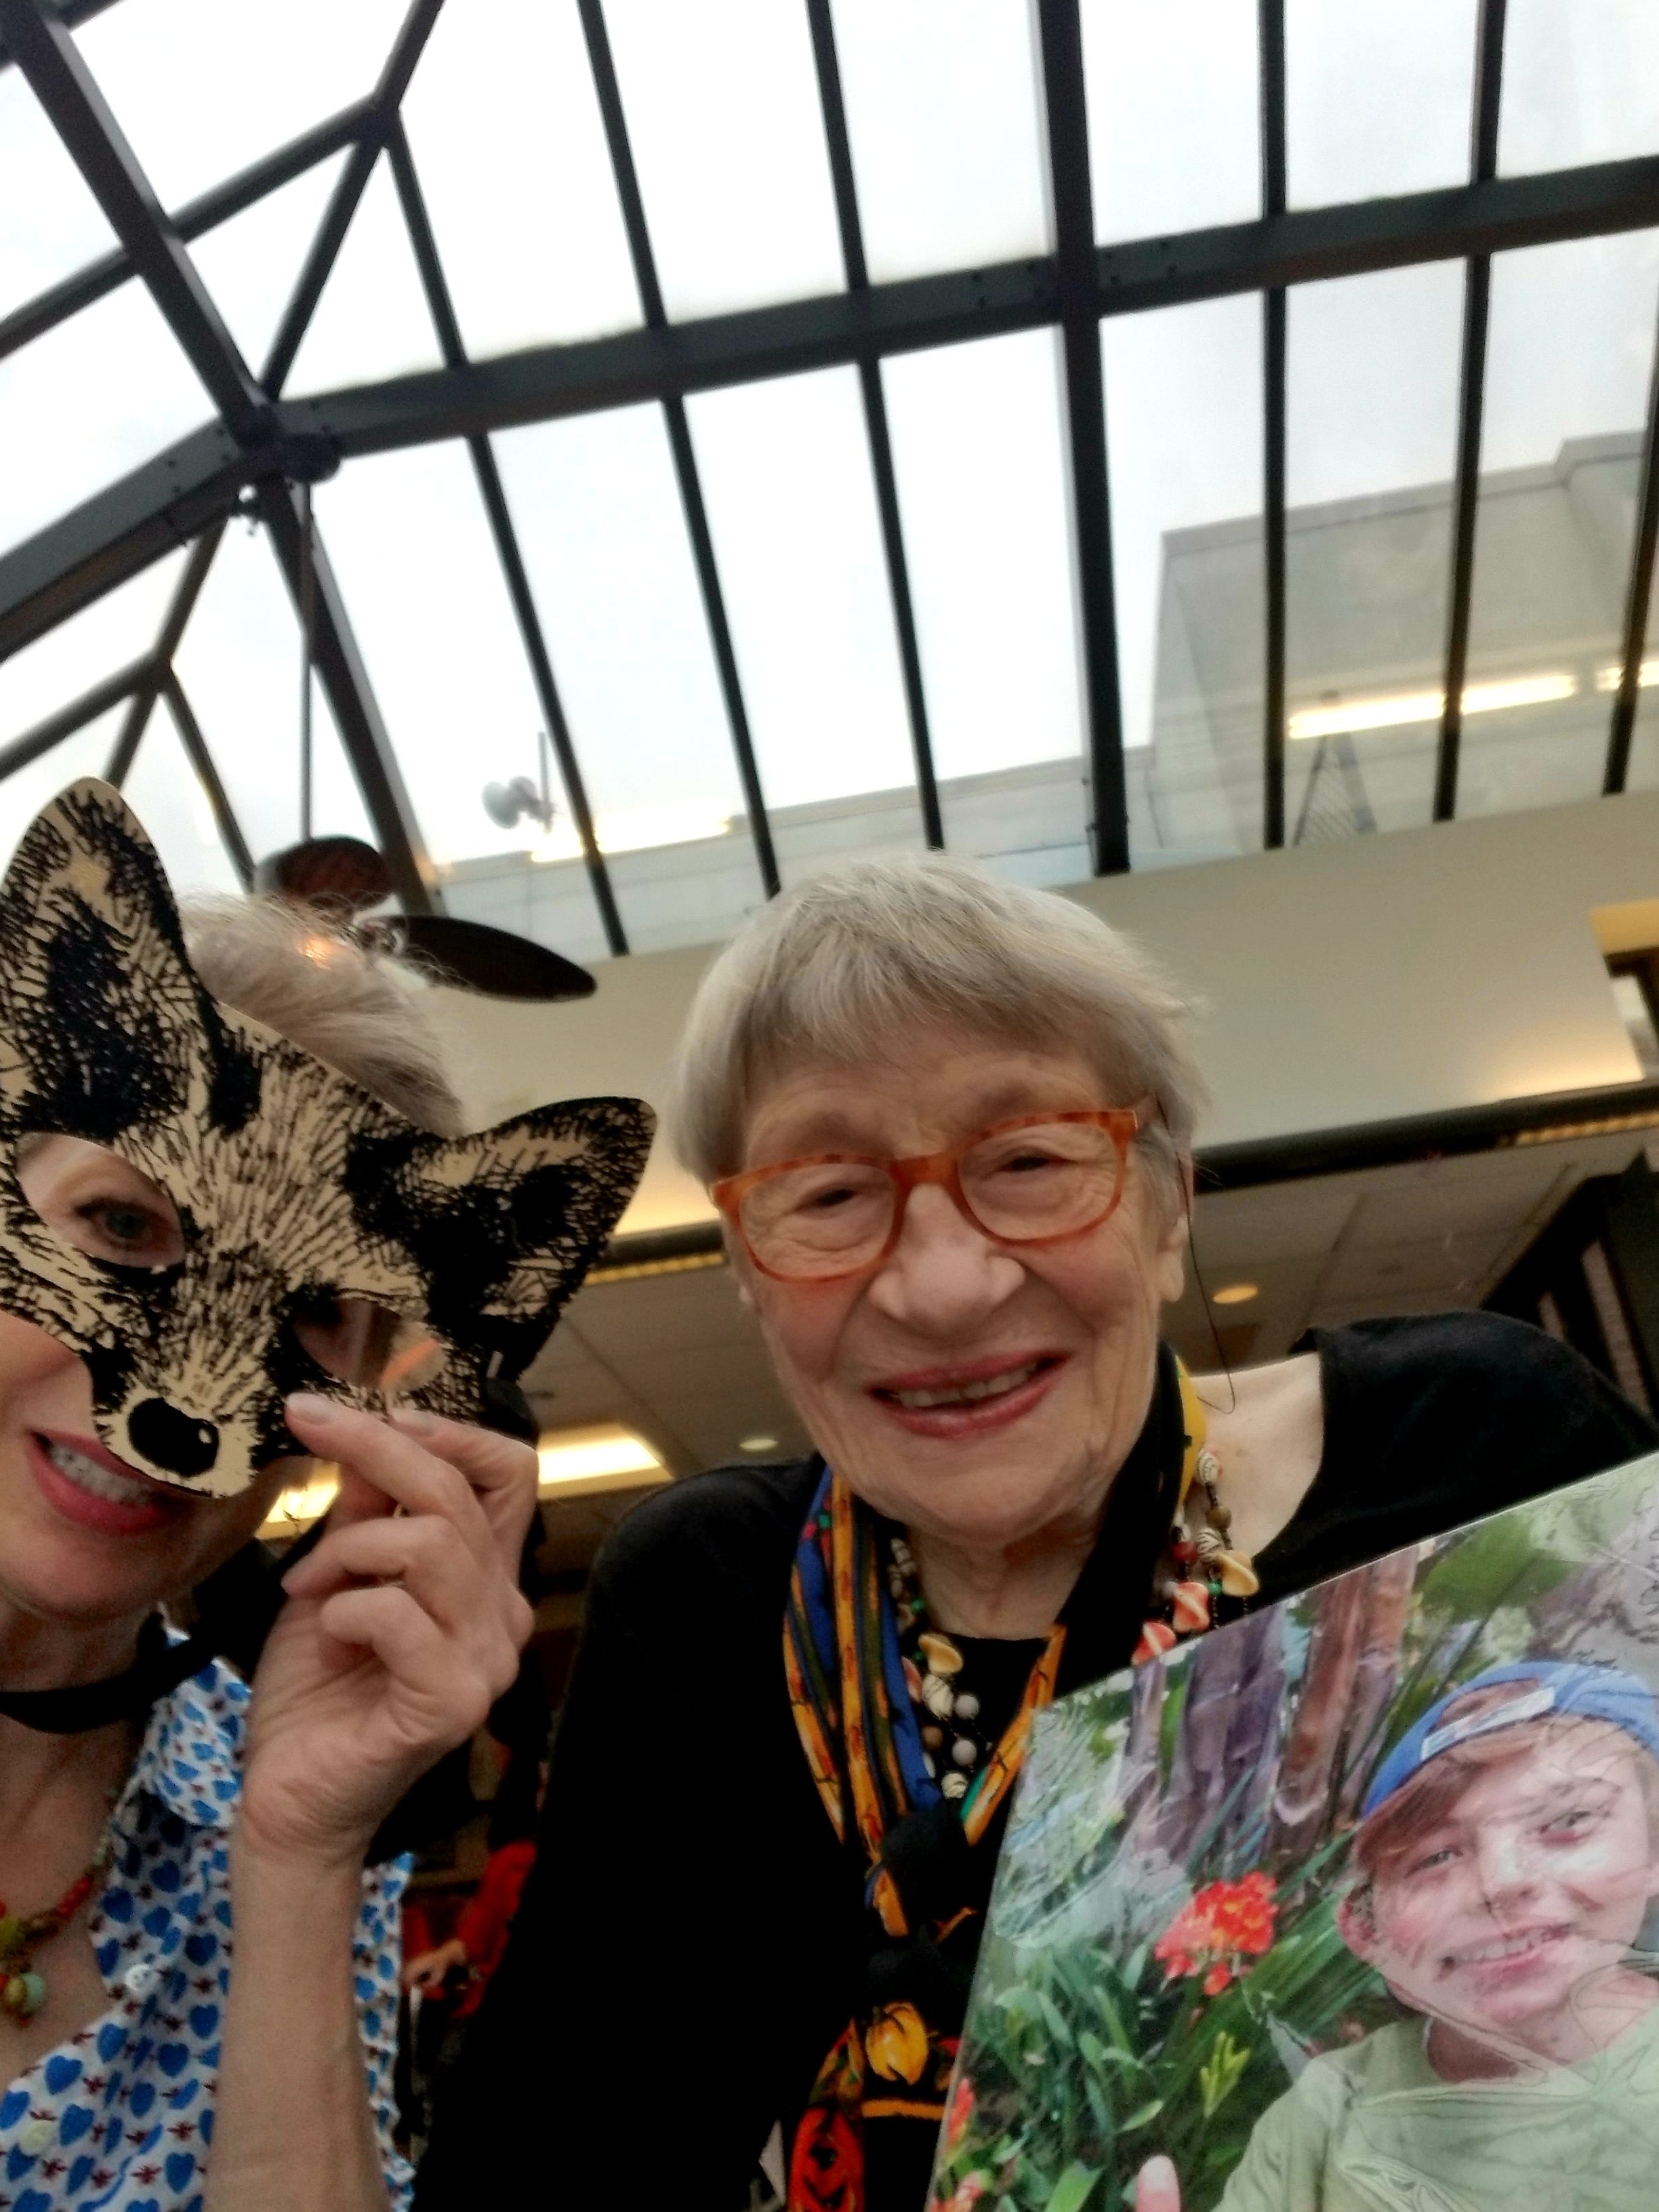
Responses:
[278,1228]
[1500,1914]
[974,1390]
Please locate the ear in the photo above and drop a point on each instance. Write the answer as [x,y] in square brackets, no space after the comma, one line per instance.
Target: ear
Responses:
[105,1022]
[504,1224]
[1356,1926]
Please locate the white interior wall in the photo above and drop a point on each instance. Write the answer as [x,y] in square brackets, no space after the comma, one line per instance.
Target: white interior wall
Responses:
[1353,981]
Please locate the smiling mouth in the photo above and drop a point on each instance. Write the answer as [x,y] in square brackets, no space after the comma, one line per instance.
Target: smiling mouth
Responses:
[1504,1949]
[972,1393]
[99,1480]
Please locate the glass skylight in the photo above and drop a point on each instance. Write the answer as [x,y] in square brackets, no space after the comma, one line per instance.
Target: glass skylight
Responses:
[251,263]
[1581,84]
[68,659]
[506,134]
[162,789]
[25,792]
[722,111]
[1173,138]
[1376,97]
[65,228]
[372,321]
[946,134]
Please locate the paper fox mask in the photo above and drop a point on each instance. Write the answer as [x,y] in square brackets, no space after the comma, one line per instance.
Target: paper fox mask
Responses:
[292,1185]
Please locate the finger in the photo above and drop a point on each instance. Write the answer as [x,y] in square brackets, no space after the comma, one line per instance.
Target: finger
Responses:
[451,1692]
[500,1471]
[1156,2188]
[390,1462]
[464,1594]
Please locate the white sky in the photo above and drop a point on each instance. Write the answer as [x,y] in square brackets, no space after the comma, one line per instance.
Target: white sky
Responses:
[944,119]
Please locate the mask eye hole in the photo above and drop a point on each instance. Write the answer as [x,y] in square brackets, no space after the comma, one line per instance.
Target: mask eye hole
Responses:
[366,1345]
[100,1203]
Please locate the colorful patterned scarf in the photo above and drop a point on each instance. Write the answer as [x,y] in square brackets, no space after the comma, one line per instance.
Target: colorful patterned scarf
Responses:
[863,1743]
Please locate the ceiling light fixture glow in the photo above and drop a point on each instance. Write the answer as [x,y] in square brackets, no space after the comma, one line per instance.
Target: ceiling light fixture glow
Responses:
[1394,712]
[607,1456]
[1608,679]
[1236,1294]
[758,1444]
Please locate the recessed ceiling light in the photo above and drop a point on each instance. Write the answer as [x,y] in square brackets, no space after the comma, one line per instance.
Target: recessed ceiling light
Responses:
[758,1444]
[604,1457]
[1236,1294]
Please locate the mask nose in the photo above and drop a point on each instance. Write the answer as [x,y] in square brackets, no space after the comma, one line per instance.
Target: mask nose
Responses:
[168,1438]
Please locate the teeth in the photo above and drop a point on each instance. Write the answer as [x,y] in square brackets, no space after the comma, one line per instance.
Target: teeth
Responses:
[87,1475]
[1507,1946]
[967,1393]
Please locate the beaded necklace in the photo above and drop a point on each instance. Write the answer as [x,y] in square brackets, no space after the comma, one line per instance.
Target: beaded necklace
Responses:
[22,1988]
[1198,1565]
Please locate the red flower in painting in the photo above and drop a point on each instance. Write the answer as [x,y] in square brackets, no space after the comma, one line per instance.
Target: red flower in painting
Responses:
[1225,1924]
[961,2109]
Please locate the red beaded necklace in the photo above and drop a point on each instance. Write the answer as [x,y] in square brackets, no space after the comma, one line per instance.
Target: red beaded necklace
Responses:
[22,1989]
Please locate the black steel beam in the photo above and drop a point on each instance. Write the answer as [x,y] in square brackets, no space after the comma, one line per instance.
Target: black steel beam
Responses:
[1637,598]
[447,325]
[196,751]
[1072,197]
[19,752]
[167,500]
[70,13]
[345,684]
[690,483]
[142,705]
[834,110]
[1485,109]
[1270,27]
[59,78]
[383,104]
[197,217]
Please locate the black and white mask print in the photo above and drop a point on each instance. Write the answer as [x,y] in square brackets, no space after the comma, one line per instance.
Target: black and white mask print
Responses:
[313,1238]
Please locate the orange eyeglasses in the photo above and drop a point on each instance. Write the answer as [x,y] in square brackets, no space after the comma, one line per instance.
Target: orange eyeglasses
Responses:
[1030,1181]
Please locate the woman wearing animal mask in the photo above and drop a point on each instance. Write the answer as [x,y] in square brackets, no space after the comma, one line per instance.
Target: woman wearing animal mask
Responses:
[236,1220]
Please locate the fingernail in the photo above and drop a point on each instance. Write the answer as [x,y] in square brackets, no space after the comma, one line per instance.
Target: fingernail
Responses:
[411,1420]
[310,1407]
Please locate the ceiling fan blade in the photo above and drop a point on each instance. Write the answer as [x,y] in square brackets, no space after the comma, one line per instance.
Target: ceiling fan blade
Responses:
[494,961]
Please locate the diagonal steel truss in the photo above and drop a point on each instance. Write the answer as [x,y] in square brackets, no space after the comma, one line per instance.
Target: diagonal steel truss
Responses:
[260,444]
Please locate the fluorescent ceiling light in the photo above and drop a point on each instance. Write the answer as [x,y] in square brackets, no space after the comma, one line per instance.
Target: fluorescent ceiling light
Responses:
[1403,707]
[576,1461]
[1606,680]
[305,1502]
[1236,1294]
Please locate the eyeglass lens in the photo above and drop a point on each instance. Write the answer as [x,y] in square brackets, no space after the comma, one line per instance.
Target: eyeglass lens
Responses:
[828,1218]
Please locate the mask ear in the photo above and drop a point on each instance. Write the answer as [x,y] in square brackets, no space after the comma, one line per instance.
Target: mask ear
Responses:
[504,1224]
[104,1024]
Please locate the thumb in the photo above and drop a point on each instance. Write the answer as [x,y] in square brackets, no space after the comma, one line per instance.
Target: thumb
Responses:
[1156,2188]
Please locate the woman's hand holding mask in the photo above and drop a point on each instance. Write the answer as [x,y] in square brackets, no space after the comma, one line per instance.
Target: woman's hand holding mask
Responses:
[402,1628]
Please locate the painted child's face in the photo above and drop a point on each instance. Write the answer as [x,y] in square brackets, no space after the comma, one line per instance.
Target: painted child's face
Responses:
[1538,1878]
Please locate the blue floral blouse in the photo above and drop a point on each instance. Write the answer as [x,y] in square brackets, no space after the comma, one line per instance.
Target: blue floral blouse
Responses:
[120,2119]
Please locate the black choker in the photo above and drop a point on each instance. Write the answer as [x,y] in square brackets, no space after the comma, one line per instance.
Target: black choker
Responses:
[159,1666]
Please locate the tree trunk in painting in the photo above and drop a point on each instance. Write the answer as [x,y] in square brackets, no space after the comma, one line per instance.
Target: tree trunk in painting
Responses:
[1388,1596]
[1141,1775]
[1229,1737]
[1301,1796]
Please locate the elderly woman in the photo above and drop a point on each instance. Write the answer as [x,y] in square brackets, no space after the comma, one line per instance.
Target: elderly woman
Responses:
[157,1331]
[947,1122]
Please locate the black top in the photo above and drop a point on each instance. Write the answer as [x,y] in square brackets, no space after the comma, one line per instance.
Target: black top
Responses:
[691,1941]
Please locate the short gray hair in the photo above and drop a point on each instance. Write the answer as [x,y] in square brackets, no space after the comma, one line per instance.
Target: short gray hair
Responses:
[294,971]
[874,949]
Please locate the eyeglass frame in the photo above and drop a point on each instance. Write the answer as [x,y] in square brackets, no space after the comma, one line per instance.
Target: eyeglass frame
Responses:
[1123,1124]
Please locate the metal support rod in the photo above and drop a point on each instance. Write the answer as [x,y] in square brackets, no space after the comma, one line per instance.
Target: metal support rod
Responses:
[70,13]
[186,594]
[1061,34]
[201,760]
[447,327]
[1274,401]
[834,110]
[194,219]
[406,51]
[18,752]
[679,439]
[1637,597]
[1472,389]
[60,80]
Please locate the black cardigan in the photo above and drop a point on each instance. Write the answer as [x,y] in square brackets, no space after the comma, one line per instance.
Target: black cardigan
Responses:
[691,1940]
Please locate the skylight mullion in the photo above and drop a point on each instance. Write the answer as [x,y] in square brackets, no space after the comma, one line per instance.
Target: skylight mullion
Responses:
[19,752]
[448,330]
[143,704]
[1637,597]
[679,439]
[875,417]
[1060,32]
[1466,498]
[196,751]
[1270,29]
